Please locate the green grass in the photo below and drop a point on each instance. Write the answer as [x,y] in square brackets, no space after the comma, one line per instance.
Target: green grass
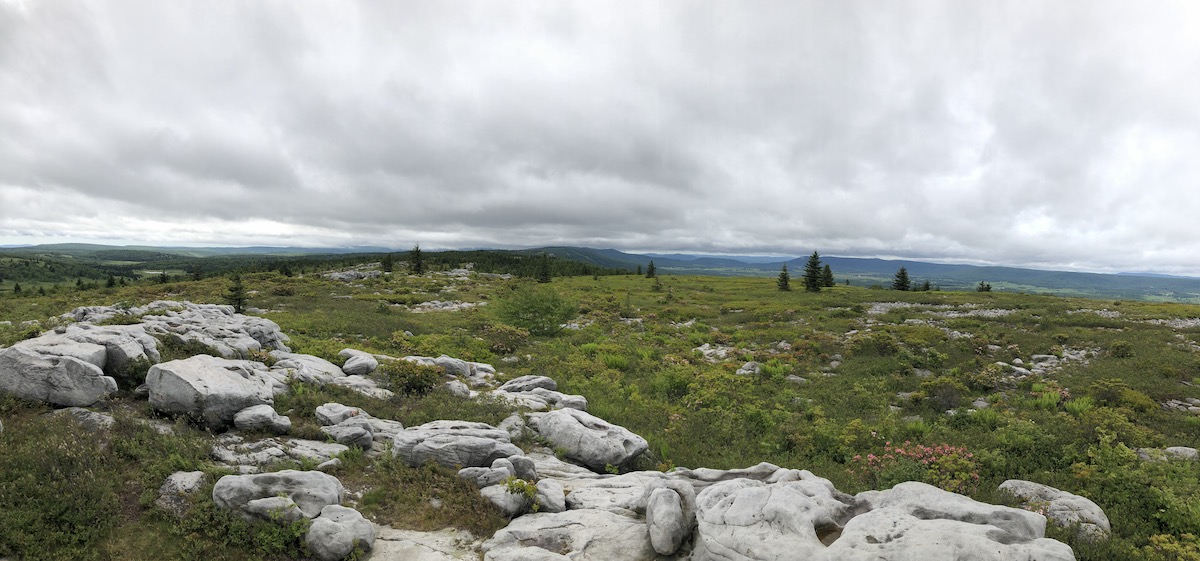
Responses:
[1071,429]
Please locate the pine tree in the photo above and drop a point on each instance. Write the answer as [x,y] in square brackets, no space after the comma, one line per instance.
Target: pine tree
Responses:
[650,272]
[163,278]
[827,276]
[901,281]
[387,264]
[111,282]
[639,270]
[926,286]
[784,282]
[16,288]
[812,273]
[983,287]
[543,272]
[416,261]
[236,295]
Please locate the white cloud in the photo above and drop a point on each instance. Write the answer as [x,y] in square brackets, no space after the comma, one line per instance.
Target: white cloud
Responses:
[1055,134]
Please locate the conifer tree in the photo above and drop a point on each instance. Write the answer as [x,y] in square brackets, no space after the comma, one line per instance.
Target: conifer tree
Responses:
[416,261]
[827,276]
[983,287]
[812,273]
[650,272]
[901,281]
[236,295]
[784,282]
[16,288]
[543,272]
[387,264]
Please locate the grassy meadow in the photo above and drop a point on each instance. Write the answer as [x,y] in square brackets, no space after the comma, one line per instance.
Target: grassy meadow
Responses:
[865,387]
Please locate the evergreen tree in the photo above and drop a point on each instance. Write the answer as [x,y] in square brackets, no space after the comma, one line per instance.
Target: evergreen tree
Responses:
[387,264]
[16,288]
[901,281]
[639,270]
[163,278]
[111,282]
[827,276]
[926,287]
[784,282]
[41,291]
[543,272]
[236,295]
[416,261]
[650,272]
[812,273]
[983,287]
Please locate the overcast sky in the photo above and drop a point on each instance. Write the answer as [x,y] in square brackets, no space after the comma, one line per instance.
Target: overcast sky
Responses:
[1059,134]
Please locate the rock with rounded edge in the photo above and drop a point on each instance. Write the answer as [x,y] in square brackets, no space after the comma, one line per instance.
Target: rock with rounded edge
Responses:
[484,476]
[209,389]
[174,494]
[529,382]
[453,444]
[53,379]
[123,344]
[588,439]
[58,344]
[335,413]
[1063,508]
[551,497]
[311,491]
[580,535]
[276,509]
[358,436]
[509,503]
[524,467]
[91,421]
[262,417]
[358,363]
[339,530]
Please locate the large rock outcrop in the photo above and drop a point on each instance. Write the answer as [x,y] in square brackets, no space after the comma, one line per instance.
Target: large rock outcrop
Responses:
[337,532]
[308,491]
[453,444]
[1063,508]
[588,439]
[53,379]
[209,389]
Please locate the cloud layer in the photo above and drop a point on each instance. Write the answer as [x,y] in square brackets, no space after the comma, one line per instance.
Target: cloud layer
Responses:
[1056,134]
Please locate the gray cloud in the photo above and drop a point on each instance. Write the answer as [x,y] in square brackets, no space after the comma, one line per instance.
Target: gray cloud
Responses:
[1050,135]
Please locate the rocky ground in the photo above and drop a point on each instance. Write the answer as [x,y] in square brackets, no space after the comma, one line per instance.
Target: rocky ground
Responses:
[570,497]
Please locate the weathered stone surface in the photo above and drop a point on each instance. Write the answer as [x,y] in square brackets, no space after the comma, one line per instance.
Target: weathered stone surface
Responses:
[233,450]
[307,368]
[123,344]
[743,520]
[231,334]
[58,344]
[209,389]
[511,504]
[551,497]
[523,467]
[174,494]
[337,532]
[350,435]
[334,413]
[92,421]
[665,520]
[587,439]
[1063,508]
[276,509]
[57,380]
[541,399]
[262,418]
[310,490]
[580,535]
[358,363]
[484,476]
[394,544]
[453,444]
[529,382]
[514,425]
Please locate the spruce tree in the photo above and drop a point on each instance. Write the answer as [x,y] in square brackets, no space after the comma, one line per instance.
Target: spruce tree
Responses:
[827,276]
[983,287]
[416,261]
[236,295]
[387,263]
[901,281]
[16,288]
[812,273]
[784,282]
[543,272]
[650,272]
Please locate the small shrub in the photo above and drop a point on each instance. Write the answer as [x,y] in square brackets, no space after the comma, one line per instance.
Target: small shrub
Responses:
[1121,349]
[1079,406]
[504,339]
[410,378]
[614,361]
[949,467]
[944,392]
[540,310]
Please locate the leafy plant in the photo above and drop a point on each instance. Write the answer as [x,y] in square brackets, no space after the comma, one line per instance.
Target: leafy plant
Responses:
[540,310]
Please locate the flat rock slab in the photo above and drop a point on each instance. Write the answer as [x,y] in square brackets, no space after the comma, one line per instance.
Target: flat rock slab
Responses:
[453,444]
[588,439]
[1065,509]
[393,544]
[579,535]
[311,491]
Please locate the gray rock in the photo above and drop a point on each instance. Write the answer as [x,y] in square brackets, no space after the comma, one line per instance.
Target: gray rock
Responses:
[580,535]
[483,476]
[665,521]
[57,380]
[209,389]
[123,344]
[335,413]
[174,496]
[351,435]
[57,344]
[91,421]
[524,467]
[337,532]
[458,388]
[453,444]
[1184,452]
[551,497]
[358,363]
[263,418]
[749,369]
[311,491]
[306,368]
[511,504]
[277,509]
[589,440]
[514,425]
[1065,509]
[527,383]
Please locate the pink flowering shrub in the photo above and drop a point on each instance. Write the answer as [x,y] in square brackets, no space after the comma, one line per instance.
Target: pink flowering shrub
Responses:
[949,467]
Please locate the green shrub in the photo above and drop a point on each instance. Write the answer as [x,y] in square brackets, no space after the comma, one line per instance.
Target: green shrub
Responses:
[944,392]
[615,361]
[409,378]
[504,339]
[541,310]
[1078,406]
[1121,349]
